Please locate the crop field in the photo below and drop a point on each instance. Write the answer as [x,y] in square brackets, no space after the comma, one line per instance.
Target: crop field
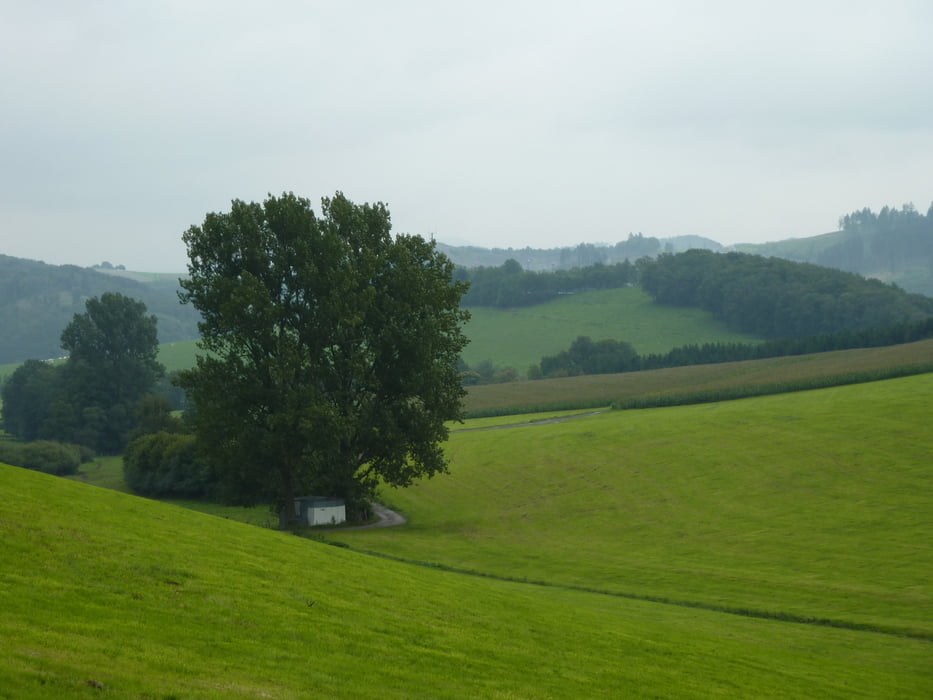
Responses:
[604,389]
[812,505]
[521,337]
[109,595]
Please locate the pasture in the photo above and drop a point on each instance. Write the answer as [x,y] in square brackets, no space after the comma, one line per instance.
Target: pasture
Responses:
[109,595]
[812,505]
[520,337]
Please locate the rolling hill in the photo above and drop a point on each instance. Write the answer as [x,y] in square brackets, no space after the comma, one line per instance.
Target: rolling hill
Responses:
[127,597]
[811,506]
[38,300]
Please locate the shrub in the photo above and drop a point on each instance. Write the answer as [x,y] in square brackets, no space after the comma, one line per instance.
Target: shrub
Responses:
[166,464]
[45,456]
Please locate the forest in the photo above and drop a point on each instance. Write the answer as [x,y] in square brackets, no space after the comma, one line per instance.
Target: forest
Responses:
[776,298]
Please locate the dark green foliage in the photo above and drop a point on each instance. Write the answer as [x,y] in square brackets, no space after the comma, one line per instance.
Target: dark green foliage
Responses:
[37,300]
[485,372]
[776,298]
[511,286]
[111,365]
[587,357]
[154,415]
[167,464]
[609,356]
[331,350]
[91,399]
[28,396]
[43,456]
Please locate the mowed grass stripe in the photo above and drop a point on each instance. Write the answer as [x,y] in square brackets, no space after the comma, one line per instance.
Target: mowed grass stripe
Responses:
[811,505]
[106,594]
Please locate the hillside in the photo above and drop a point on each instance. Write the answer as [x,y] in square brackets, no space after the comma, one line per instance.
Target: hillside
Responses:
[520,337]
[128,597]
[581,255]
[813,505]
[38,300]
[892,245]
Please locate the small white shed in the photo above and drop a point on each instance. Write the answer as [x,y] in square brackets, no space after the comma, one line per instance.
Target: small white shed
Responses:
[317,510]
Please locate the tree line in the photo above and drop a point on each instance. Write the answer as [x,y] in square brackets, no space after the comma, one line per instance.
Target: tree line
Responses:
[891,239]
[510,286]
[585,356]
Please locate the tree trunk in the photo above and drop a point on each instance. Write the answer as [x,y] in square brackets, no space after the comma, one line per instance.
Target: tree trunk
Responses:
[287,503]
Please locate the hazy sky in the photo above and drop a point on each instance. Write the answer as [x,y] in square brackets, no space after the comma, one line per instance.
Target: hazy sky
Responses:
[495,123]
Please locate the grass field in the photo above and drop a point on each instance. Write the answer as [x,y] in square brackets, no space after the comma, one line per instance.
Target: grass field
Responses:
[809,505]
[521,337]
[108,595]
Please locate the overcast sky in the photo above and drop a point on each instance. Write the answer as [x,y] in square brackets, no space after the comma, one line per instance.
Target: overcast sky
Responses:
[499,123]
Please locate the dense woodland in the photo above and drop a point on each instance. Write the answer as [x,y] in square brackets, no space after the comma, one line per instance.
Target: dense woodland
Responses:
[509,286]
[776,298]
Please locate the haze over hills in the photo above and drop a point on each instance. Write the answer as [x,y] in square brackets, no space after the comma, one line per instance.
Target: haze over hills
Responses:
[38,300]
[893,245]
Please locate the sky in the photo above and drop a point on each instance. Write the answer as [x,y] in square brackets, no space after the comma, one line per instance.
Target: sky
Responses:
[496,124]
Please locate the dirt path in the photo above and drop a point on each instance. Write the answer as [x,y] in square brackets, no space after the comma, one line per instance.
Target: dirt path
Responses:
[387,518]
[546,421]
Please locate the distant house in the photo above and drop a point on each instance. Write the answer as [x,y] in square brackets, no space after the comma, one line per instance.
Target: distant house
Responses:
[315,510]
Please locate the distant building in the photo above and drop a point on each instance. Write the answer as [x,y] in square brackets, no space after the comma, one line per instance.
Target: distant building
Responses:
[316,510]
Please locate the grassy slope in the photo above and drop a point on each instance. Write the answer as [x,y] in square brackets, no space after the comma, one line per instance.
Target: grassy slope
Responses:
[815,504]
[107,595]
[520,337]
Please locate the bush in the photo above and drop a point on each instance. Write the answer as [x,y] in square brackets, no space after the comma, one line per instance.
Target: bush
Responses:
[45,456]
[166,464]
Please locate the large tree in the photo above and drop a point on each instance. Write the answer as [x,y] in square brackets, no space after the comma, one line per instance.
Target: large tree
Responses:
[331,350]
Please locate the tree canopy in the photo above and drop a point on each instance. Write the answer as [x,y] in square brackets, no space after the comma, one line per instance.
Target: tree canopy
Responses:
[92,398]
[330,350]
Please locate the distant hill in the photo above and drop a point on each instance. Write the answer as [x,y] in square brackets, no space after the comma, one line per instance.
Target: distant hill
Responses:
[545,259]
[894,246]
[38,300]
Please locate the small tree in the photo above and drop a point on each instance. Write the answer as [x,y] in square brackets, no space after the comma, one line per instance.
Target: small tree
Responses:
[112,364]
[331,350]
[27,398]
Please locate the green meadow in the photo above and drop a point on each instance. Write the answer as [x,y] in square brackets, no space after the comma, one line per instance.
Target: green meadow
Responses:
[777,546]
[807,506]
[109,595]
[520,337]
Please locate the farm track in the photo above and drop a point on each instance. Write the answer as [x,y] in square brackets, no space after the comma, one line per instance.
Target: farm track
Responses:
[546,421]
